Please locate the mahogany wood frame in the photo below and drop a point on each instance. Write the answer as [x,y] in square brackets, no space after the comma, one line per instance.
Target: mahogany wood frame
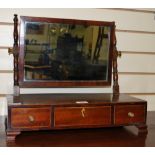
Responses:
[122,109]
[19,65]
[67,102]
[15,53]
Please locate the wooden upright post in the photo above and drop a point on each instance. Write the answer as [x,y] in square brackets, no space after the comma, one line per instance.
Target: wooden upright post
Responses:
[15,55]
[115,71]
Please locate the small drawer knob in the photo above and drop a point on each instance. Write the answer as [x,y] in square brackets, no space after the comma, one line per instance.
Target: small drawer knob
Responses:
[131,114]
[31,118]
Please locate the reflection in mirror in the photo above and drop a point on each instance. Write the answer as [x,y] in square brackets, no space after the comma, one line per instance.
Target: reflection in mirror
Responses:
[55,51]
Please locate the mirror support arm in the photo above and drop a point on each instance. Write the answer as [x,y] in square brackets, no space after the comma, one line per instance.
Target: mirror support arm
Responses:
[15,52]
[115,70]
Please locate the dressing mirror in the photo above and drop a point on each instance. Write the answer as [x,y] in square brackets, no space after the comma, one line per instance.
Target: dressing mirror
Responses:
[63,52]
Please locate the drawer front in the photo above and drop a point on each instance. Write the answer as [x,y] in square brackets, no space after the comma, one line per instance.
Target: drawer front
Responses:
[82,116]
[31,118]
[128,114]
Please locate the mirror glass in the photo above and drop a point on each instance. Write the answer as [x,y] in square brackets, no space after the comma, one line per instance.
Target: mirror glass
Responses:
[55,51]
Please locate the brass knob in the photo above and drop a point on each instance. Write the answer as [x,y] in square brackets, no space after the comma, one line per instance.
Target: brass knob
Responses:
[83,112]
[10,51]
[31,118]
[131,114]
[119,54]
[13,50]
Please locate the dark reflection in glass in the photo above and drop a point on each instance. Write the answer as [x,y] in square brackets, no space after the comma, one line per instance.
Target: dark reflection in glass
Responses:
[55,51]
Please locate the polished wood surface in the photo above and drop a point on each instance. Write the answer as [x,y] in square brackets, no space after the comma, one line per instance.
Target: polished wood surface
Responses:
[85,137]
[69,111]
[128,114]
[30,118]
[82,116]
[71,99]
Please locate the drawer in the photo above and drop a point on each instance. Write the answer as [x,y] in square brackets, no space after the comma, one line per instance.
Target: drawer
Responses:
[25,118]
[82,116]
[128,114]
